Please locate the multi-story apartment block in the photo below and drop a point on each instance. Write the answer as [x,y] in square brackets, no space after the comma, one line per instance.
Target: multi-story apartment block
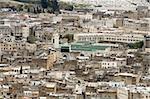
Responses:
[115,63]
[17,31]
[5,30]
[136,24]
[11,46]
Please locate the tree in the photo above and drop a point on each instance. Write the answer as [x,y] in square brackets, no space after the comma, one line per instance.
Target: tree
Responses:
[69,37]
[21,70]
[31,39]
[44,3]
[55,6]
[28,10]
[34,11]
[136,45]
[38,9]
[20,7]
[66,6]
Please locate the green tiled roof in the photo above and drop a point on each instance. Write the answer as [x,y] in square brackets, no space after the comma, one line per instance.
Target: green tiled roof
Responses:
[87,47]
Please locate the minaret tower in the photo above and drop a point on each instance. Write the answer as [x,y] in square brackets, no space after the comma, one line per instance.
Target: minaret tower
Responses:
[55,40]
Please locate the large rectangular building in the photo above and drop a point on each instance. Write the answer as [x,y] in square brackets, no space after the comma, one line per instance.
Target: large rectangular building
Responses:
[110,37]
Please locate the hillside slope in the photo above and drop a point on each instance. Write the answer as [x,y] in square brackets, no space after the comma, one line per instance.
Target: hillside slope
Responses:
[118,4]
[10,1]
